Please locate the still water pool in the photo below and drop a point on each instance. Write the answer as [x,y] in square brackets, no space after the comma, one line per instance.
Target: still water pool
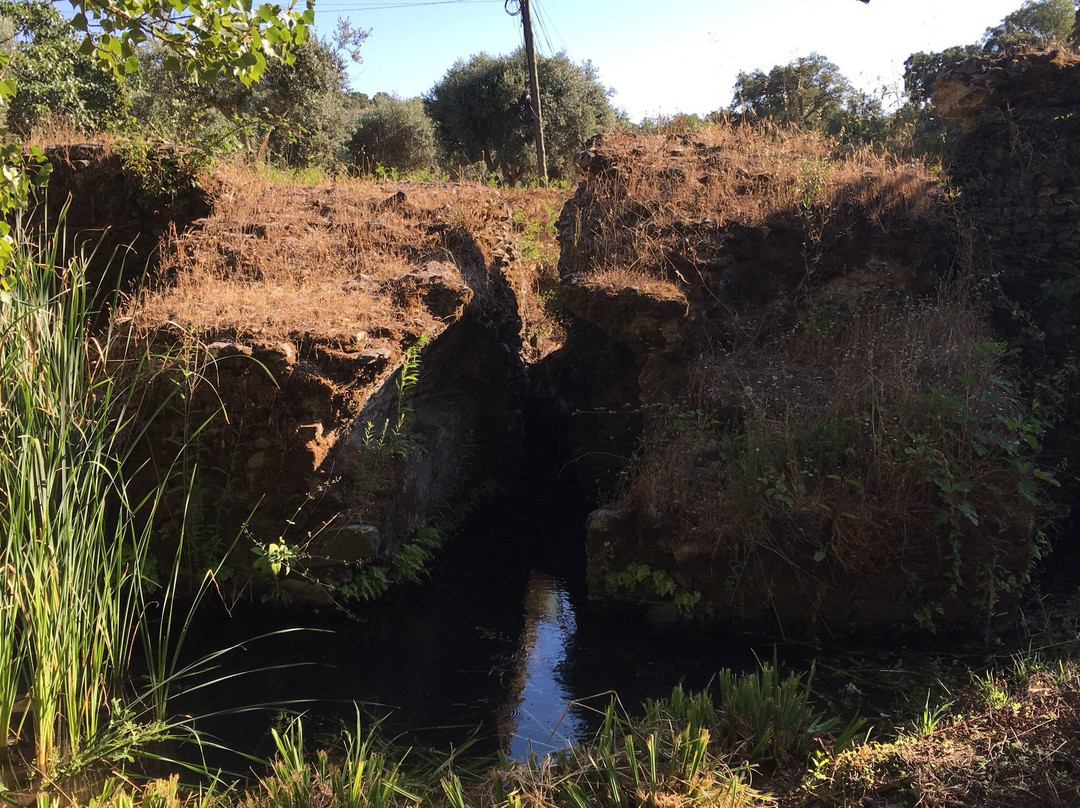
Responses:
[501,647]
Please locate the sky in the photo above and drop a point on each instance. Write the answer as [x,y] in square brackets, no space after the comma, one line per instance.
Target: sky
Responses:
[663,57]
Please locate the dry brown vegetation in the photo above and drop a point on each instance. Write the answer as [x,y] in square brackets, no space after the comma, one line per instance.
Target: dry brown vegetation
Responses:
[847,443]
[1012,742]
[324,261]
[667,206]
[879,450]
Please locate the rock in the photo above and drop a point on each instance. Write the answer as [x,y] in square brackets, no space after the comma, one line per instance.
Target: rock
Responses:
[395,201]
[277,356]
[223,350]
[603,523]
[374,358]
[354,543]
[437,285]
[645,319]
[1008,81]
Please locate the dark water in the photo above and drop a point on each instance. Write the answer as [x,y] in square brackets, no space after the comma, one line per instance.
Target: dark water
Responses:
[501,646]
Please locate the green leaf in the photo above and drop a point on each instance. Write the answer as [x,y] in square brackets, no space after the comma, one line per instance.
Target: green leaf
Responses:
[78,22]
[7,88]
[172,64]
[131,64]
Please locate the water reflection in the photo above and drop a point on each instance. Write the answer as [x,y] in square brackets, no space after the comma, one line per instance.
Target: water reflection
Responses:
[536,716]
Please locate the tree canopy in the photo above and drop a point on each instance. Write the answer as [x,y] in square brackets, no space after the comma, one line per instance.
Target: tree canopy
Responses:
[204,38]
[481,112]
[395,134]
[1037,22]
[809,92]
[52,79]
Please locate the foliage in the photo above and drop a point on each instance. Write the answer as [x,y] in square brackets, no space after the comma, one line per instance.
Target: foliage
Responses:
[689,749]
[295,116]
[1039,23]
[54,81]
[395,134]
[370,775]
[809,92]
[207,39]
[297,111]
[74,596]
[641,582]
[480,114]
[169,104]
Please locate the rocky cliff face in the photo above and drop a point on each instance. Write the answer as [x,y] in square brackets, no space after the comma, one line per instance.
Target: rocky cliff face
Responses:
[344,361]
[1017,164]
[775,364]
[782,324]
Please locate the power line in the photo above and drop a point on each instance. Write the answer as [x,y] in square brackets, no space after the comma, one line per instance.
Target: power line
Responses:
[544,19]
[386,6]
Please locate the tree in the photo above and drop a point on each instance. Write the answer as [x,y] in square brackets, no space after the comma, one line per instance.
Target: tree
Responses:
[394,134]
[53,79]
[296,115]
[1038,23]
[481,112]
[298,111]
[922,69]
[809,92]
[205,38]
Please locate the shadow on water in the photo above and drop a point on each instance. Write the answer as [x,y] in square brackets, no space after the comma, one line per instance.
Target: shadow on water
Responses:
[500,647]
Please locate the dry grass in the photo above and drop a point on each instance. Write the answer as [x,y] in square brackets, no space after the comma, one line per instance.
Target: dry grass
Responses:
[1021,750]
[280,259]
[664,205]
[60,133]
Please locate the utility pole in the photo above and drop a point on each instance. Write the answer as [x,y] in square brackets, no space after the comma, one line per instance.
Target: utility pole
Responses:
[534,89]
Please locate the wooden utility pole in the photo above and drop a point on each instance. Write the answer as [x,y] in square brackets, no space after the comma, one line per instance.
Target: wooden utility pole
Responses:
[534,89]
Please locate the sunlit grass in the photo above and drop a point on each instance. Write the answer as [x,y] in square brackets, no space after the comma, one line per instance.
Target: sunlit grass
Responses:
[74,601]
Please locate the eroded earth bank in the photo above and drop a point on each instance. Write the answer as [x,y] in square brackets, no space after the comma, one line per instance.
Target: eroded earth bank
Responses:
[803,389]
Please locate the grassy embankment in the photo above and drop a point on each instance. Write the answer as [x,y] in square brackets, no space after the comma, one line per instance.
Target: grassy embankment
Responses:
[1008,738]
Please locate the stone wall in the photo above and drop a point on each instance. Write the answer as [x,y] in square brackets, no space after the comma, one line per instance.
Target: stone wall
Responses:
[1016,161]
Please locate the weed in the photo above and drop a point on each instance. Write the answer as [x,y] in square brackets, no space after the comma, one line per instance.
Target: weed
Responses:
[368,775]
[991,690]
[641,582]
[926,723]
[161,171]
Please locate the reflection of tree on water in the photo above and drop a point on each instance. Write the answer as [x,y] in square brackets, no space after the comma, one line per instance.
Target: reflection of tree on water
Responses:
[538,695]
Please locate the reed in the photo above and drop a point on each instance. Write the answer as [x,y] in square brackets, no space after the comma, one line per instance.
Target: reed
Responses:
[75,539]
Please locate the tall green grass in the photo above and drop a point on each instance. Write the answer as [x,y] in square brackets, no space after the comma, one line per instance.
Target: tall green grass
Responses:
[74,540]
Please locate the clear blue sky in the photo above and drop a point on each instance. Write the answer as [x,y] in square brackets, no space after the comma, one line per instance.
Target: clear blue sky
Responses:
[659,57]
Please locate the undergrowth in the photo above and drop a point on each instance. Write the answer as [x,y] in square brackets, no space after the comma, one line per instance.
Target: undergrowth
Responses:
[901,426]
